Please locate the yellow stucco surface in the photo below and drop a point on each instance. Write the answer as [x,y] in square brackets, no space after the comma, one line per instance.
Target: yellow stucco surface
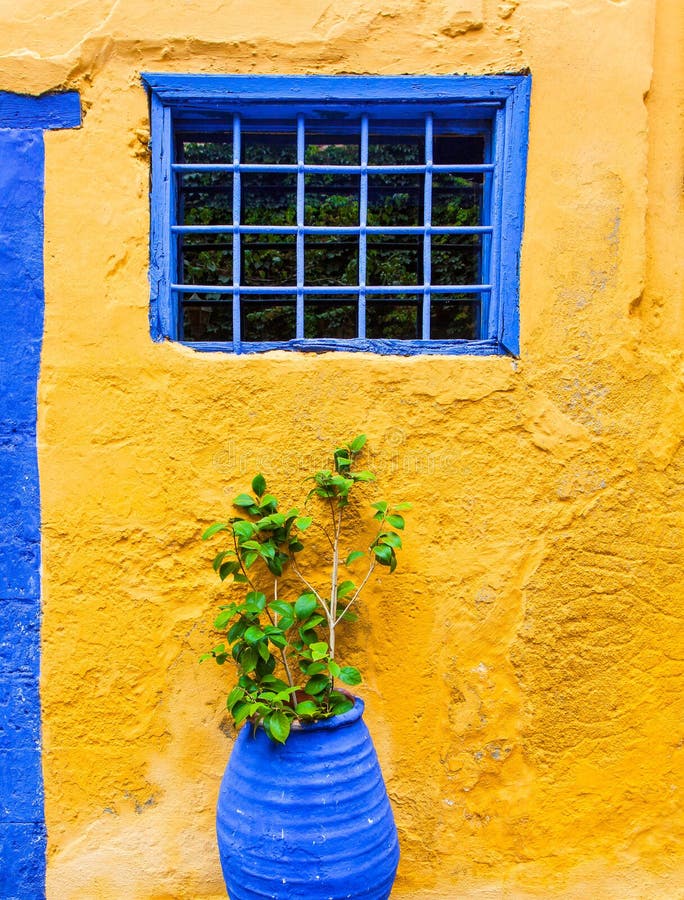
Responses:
[524,665]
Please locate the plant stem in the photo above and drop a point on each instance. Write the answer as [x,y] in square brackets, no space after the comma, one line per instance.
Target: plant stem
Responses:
[358,591]
[332,621]
[317,595]
[242,567]
[283,652]
[283,655]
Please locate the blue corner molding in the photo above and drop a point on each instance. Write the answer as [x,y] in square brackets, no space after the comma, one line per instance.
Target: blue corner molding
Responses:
[22,822]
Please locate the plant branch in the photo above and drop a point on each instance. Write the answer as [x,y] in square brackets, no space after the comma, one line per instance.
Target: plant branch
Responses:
[358,591]
[325,532]
[242,566]
[333,620]
[308,584]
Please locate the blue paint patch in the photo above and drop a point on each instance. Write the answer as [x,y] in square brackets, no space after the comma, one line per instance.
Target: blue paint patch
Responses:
[22,846]
[22,826]
[19,111]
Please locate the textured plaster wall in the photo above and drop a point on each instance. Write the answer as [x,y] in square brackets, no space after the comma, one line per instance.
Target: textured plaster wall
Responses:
[524,666]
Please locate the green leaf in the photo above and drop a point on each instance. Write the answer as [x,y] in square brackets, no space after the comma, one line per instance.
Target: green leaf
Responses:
[255,601]
[243,530]
[271,523]
[306,708]
[213,529]
[224,617]
[268,500]
[342,483]
[333,668]
[383,554]
[275,565]
[278,726]
[319,650]
[354,555]
[358,443]
[350,675]
[305,605]
[312,622]
[396,521]
[234,696]
[316,685]
[250,558]
[250,545]
[363,476]
[240,711]
[403,506]
[253,634]
[278,638]
[218,559]
[381,506]
[264,652]
[341,459]
[303,522]
[229,568]
[314,669]
[244,500]
[237,630]
[345,588]
[259,485]
[340,704]
[265,666]
[249,659]
[282,608]
[350,617]
[268,551]
[391,539]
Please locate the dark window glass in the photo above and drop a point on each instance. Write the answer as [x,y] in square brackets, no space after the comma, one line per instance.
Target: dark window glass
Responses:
[454,317]
[206,259]
[267,319]
[456,258]
[332,200]
[207,317]
[331,259]
[395,259]
[393,317]
[330,318]
[199,148]
[269,260]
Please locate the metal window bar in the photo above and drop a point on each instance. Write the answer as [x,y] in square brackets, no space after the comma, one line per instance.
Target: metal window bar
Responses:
[485,261]
[363,219]
[427,221]
[286,168]
[237,253]
[301,152]
[332,229]
[491,189]
[333,289]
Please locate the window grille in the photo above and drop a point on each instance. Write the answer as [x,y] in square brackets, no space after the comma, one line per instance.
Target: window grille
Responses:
[354,213]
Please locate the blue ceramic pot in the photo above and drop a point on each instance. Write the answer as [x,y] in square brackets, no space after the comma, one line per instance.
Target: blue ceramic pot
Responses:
[307,820]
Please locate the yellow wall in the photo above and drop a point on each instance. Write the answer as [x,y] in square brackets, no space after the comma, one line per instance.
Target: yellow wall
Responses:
[523,667]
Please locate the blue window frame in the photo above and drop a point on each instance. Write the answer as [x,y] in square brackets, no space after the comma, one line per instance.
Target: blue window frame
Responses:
[369,213]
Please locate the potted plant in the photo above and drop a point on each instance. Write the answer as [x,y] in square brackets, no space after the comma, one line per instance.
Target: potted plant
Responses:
[302,810]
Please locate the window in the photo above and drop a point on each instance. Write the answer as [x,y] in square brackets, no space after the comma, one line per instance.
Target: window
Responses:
[348,212]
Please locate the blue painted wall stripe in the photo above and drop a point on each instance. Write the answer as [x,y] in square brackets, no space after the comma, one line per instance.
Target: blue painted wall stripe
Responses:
[40,113]
[22,821]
